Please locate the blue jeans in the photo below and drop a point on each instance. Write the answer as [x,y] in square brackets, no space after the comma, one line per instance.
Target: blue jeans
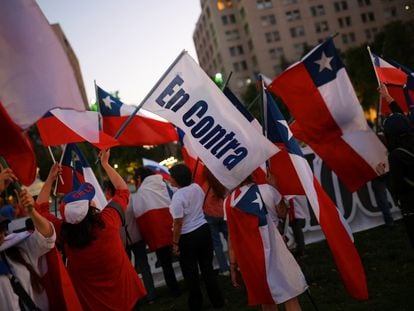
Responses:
[217,225]
[142,266]
[379,186]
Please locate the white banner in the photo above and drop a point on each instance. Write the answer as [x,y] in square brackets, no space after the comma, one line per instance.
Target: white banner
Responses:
[222,137]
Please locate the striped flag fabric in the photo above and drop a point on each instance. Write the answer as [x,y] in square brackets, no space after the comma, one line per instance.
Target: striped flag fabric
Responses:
[145,128]
[156,167]
[297,177]
[63,126]
[76,171]
[320,96]
[399,81]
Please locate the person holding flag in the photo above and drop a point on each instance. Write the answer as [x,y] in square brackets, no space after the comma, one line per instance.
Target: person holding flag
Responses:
[269,270]
[98,265]
[20,277]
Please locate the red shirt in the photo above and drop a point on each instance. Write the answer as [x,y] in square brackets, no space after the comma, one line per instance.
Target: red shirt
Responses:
[102,274]
[213,205]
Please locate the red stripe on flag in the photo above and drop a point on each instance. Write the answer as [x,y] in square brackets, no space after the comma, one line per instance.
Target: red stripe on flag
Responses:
[54,132]
[17,149]
[155,227]
[397,93]
[141,131]
[391,75]
[248,248]
[339,156]
[313,109]
[343,250]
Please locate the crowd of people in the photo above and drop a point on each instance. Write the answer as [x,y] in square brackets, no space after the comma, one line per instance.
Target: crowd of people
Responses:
[180,219]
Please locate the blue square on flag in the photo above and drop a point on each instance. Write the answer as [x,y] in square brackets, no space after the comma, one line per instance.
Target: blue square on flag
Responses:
[251,203]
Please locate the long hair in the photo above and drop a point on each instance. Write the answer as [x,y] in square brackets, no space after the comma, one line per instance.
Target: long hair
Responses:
[15,254]
[84,233]
[218,189]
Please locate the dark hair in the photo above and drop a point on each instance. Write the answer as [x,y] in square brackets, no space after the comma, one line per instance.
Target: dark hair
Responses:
[82,234]
[218,189]
[107,185]
[14,253]
[142,172]
[181,174]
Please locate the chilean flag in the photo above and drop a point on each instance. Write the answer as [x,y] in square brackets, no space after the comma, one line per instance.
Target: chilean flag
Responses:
[63,126]
[319,94]
[58,285]
[156,168]
[269,271]
[145,128]
[394,79]
[76,171]
[296,177]
[399,81]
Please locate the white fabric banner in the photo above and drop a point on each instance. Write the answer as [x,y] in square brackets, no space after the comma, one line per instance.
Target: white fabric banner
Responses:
[222,137]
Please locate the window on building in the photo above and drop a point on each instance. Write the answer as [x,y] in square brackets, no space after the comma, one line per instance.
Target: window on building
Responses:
[243,65]
[317,10]
[390,12]
[298,31]
[254,61]
[240,50]
[299,48]
[232,35]
[242,13]
[321,26]
[208,12]
[232,18]
[272,36]
[268,20]
[340,6]
[344,21]
[250,45]
[263,4]
[290,1]
[224,4]
[367,17]
[348,38]
[362,3]
[275,53]
[246,29]
[224,19]
[292,15]
[232,51]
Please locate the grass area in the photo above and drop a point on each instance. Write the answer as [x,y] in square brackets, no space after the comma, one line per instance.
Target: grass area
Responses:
[389,265]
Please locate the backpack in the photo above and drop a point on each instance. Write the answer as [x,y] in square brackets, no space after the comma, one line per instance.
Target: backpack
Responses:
[116,206]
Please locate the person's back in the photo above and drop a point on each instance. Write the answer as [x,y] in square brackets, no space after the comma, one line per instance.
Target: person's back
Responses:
[95,270]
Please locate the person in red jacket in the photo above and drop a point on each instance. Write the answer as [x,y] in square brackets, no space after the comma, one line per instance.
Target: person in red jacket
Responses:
[97,263]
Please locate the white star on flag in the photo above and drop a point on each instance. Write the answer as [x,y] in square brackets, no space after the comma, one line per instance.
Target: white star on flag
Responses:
[285,124]
[324,62]
[258,201]
[107,101]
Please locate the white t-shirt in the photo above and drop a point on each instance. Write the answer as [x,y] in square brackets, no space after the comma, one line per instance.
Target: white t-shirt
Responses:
[187,203]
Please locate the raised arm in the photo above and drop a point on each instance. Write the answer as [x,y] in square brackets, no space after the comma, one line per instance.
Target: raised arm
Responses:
[42,225]
[116,179]
[44,194]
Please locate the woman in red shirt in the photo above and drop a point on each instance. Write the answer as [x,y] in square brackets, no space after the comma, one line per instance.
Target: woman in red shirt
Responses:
[101,272]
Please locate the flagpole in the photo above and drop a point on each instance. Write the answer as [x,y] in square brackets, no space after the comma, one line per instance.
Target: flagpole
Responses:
[60,176]
[263,114]
[54,161]
[98,106]
[379,85]
[122,128]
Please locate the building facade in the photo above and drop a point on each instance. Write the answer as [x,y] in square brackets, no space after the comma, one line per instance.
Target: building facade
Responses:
[246,36]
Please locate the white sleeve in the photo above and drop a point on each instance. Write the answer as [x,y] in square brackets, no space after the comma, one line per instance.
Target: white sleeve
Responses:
[37,245]
[177,207]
